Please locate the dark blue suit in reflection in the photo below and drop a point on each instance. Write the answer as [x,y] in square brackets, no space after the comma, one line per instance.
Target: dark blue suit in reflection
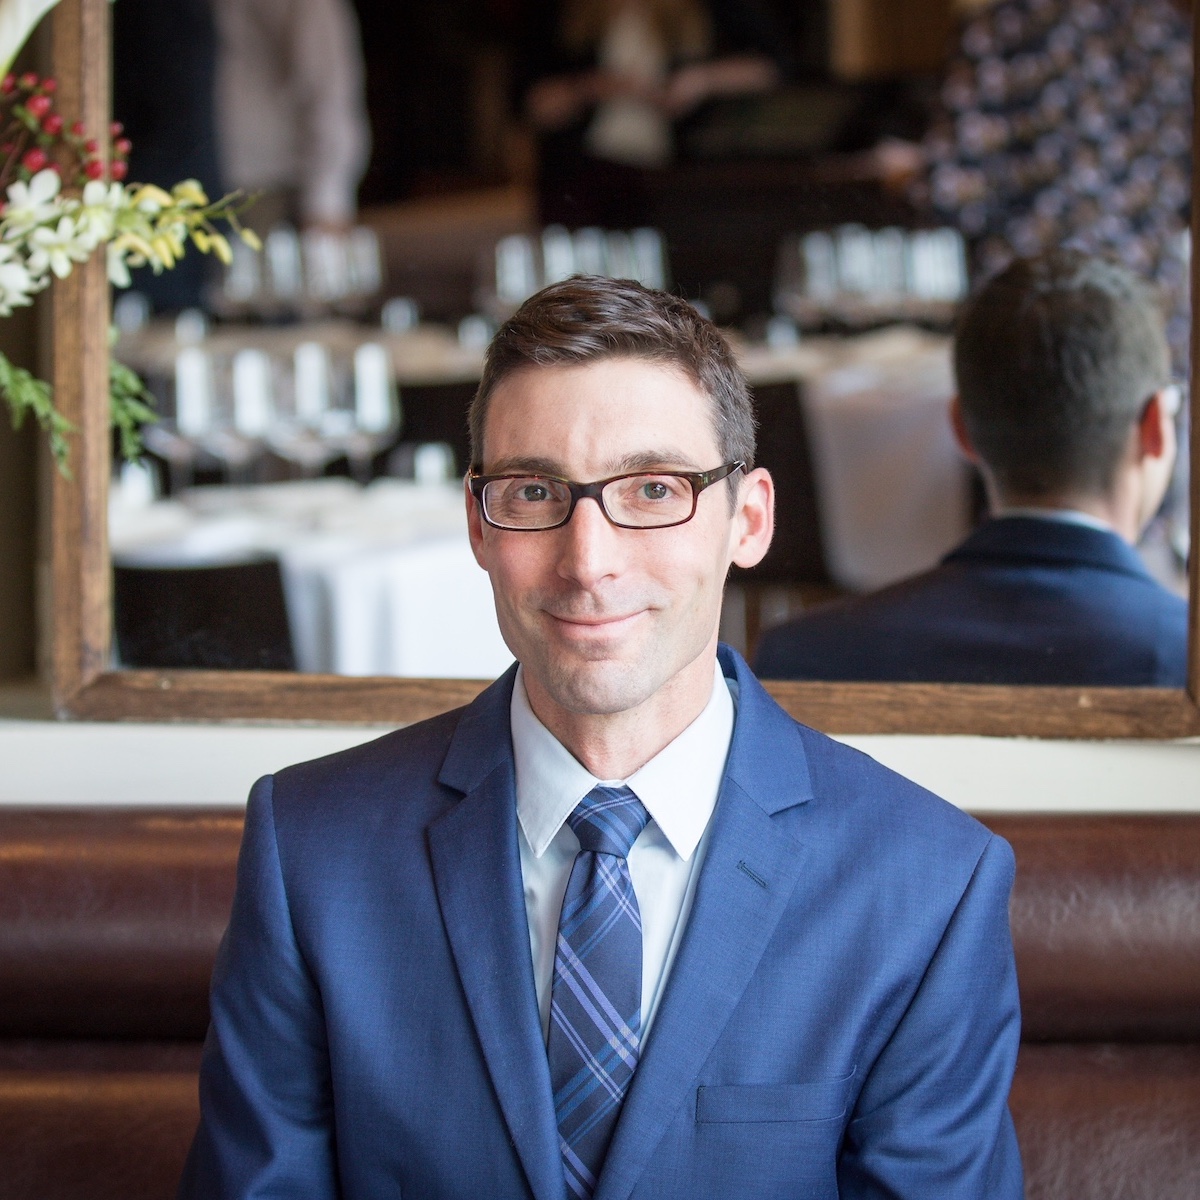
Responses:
[1024,600]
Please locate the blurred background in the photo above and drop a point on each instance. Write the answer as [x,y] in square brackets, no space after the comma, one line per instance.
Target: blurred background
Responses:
[827,179]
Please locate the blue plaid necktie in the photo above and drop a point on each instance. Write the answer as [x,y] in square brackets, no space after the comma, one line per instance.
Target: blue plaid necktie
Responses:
[596,998]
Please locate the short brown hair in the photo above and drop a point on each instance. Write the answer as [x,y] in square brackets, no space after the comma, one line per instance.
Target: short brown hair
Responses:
[1055,359]
[586,318]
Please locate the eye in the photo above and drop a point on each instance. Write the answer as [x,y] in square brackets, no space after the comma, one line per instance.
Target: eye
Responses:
[655,489]
[533,493]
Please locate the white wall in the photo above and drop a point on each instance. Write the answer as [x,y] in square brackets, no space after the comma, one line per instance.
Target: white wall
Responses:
[43,762]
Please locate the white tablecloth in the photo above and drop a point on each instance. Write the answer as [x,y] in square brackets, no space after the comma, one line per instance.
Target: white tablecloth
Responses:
[893,488]
[378,581]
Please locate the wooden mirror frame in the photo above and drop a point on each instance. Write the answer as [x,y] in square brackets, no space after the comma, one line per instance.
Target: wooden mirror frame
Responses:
[85,686]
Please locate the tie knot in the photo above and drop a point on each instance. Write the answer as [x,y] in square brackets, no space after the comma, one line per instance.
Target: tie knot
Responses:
[608,820]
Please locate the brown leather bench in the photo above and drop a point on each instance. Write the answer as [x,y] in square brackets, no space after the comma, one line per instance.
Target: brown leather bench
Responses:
[109,920]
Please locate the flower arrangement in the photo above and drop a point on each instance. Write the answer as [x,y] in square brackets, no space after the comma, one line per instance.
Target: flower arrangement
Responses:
[66,198]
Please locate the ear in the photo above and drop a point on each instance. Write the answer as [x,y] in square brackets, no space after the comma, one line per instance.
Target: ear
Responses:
[959,424]
[754,521]
[1153,435]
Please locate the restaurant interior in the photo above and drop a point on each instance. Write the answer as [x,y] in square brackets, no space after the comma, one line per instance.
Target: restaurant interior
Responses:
[286,554]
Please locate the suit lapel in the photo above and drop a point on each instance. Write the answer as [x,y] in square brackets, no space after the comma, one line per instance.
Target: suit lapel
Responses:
[477,873]
[750,871]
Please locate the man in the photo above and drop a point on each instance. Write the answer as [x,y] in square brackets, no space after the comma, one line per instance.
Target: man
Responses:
[291,111]
[1065,406]
[621,927]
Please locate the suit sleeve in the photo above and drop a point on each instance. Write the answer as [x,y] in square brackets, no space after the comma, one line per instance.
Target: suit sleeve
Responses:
[932,1118]
[265,1096]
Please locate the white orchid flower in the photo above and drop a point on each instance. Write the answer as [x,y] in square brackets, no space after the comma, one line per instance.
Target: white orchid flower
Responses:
[97,216]
[58,248]
[16,284]
[17,21]
[118,268]
[32,203]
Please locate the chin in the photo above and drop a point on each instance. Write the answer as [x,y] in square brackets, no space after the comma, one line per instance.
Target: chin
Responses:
[597,688]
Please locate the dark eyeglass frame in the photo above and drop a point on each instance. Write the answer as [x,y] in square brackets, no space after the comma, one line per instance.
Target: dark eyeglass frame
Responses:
[699,480]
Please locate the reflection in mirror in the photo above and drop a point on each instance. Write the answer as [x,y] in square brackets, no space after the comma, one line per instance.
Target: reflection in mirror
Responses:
[803,182]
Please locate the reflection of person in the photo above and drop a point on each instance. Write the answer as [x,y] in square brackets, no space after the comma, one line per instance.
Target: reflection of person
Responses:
[447,971]
[606,81]
[291,116]
[1065,406]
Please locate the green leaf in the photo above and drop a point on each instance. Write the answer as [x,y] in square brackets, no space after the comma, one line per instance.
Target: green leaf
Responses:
[27,396]
[131,407]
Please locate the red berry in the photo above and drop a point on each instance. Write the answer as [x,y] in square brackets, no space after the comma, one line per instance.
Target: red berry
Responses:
[122,146]
[93,170]
[78,128]
[118,169]
[50,85]
[92,146]
[28,81]
[53,124]
[116,129]
[8,83]
[39,106]
[35,160]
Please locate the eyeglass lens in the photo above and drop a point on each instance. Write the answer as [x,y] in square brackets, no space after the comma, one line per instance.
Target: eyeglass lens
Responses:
[641,501]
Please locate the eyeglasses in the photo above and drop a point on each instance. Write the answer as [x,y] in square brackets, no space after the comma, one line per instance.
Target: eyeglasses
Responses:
[640,500]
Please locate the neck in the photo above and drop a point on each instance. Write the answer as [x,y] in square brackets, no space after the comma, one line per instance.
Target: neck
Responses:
[615,745]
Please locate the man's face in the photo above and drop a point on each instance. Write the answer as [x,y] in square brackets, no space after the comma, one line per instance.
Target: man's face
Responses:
[601,618]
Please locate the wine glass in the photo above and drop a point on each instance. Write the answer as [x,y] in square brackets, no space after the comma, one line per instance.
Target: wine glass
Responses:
[376,409]
[178,437]
[365,261]
[303,397]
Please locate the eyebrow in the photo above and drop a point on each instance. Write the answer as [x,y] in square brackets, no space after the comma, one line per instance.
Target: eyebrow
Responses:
[667,459]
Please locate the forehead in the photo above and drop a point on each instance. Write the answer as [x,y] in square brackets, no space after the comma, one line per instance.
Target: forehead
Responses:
[596,414]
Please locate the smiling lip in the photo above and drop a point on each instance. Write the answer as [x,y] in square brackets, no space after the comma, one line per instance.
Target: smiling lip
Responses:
[594,622]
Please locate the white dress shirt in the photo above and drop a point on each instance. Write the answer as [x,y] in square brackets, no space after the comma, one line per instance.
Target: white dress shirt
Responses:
[1064,516]
[678,787]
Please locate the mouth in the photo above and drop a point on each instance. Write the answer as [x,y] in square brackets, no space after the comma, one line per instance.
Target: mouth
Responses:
[594,624]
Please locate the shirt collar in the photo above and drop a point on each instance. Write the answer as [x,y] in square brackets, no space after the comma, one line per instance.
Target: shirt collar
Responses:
[678,786]
[1065,516]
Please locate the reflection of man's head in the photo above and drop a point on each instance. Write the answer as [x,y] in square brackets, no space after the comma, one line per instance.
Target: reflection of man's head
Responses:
[1057,360]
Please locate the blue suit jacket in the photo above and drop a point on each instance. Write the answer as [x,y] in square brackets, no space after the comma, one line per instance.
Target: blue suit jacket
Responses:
[841,1018]
[1021,601]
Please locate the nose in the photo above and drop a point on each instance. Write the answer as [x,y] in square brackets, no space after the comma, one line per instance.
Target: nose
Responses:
[592,547]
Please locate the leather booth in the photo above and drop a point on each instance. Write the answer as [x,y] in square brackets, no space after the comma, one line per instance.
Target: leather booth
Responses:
[109,920]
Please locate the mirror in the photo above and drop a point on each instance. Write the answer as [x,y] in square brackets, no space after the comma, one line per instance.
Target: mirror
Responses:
[86,687]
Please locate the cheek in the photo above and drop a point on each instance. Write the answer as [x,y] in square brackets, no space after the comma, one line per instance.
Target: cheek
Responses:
[693,568]
[515,562]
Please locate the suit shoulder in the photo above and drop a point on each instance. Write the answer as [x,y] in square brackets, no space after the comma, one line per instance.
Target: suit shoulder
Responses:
[390,765]
[889,810]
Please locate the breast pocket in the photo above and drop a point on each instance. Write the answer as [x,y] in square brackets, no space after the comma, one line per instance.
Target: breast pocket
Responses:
[817,1100]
